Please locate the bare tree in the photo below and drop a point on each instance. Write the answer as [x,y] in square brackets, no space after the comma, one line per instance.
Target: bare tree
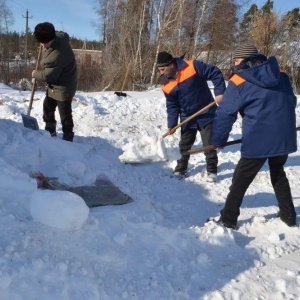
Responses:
[199,27]
[290,55]
[6,20]
[6,17]
[266,30]
[135,31]
[245,24]
[220,29]
[167,13]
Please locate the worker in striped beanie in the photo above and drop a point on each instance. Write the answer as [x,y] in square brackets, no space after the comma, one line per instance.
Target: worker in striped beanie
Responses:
[262,95]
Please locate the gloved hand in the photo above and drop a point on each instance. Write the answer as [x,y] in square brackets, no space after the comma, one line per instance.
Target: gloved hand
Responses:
[218,99]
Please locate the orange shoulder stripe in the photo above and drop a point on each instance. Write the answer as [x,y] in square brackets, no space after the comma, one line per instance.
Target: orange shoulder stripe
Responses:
[183,75]
[237,80]
[187,72]
[169,86]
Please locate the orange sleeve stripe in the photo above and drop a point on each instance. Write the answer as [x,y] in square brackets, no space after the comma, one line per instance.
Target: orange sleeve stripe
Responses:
[237,80]
[183,75]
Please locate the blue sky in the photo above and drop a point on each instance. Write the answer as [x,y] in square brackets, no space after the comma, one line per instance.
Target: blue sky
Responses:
[279,5]
[77,16]
[72,16]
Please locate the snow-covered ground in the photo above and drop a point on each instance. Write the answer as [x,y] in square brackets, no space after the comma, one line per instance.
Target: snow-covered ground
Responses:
[157,247]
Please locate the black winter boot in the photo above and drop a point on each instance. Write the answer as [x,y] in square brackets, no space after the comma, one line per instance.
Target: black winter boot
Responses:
[181,167]
[225,223]
[288,219]
[68,136]
[51,127]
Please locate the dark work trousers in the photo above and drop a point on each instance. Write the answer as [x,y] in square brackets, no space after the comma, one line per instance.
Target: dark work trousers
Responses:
[244,174]
[188,137]
[65,112]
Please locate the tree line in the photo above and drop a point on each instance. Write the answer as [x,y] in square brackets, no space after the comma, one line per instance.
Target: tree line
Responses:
[132,32]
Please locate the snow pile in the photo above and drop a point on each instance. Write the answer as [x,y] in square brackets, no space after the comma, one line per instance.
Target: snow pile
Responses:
[157,247]
[58,209]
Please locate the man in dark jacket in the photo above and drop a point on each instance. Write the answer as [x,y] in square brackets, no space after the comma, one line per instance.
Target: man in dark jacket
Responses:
[263,96]
[184,83]
[59,71]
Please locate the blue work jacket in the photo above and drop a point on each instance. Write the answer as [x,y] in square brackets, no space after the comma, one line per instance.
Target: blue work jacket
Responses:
[264,97]
[189,92]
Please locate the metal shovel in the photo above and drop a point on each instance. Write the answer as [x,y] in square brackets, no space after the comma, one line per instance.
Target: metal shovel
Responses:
[28,121]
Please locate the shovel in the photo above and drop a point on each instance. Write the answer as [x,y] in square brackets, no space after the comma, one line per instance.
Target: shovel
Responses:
[28,121]
[191,117]
[156,153]
[211,147]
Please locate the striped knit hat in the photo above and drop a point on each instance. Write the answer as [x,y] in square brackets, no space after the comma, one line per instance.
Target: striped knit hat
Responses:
[245,51]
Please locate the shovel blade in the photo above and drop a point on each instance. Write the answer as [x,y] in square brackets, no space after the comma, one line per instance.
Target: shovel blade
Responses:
[132,161]
[30,122]
[144,150]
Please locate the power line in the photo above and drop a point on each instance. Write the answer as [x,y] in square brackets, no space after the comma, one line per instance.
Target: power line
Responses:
[26,36]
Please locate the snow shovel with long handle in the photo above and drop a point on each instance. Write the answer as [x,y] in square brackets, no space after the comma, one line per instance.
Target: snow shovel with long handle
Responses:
[191,117]
[211,147]
[28,121]
[149,150]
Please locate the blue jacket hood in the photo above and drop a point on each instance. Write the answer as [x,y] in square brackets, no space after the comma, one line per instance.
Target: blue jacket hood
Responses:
[265,75]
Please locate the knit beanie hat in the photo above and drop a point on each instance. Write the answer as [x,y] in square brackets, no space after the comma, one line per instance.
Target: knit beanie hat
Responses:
[44,32]
[164,59]
[245,51]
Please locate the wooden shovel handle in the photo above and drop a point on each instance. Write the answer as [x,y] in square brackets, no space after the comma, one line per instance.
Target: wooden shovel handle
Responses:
[211,147]
[191,117]
[34,80]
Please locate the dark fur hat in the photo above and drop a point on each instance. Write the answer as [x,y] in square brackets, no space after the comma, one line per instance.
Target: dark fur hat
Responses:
[44,32]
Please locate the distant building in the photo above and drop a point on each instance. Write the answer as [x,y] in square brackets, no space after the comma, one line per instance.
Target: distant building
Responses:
[88,57]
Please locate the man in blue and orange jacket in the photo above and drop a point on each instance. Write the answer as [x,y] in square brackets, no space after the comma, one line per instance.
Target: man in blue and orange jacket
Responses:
[264,97]
[184,83]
